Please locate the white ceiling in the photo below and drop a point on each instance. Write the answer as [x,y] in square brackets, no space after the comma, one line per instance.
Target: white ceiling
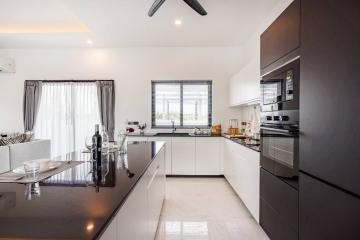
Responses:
[124,23]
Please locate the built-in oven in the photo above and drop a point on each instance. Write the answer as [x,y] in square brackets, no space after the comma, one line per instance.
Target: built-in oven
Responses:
[280,88]
[280,144]
[280,122]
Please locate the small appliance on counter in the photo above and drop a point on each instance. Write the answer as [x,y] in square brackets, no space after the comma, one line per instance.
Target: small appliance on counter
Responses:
[216,130]
[233,127]
[201,132]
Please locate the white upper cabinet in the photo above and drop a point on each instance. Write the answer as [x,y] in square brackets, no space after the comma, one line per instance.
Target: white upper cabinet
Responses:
[207,156]
[245,85]
[183,156]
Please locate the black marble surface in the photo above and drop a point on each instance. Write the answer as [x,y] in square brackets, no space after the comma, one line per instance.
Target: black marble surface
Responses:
[251,144]
[74,204]
[243,142]
[176,134]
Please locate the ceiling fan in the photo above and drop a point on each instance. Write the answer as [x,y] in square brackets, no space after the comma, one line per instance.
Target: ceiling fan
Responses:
[194,4]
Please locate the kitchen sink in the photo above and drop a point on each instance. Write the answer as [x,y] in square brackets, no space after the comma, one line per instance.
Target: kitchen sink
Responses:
[172,135]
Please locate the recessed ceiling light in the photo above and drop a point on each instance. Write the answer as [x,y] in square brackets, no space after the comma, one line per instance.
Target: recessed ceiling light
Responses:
[89,42]
[177,22]
[89,227]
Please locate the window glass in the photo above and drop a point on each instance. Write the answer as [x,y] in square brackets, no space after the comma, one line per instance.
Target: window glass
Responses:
[196,105]
[186,103]
[167,104]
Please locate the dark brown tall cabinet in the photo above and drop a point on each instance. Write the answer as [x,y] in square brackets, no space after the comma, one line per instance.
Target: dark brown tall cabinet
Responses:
[329,120]
[279,205]
[280,42]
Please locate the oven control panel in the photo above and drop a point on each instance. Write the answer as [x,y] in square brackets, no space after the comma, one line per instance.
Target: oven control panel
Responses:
[281,117]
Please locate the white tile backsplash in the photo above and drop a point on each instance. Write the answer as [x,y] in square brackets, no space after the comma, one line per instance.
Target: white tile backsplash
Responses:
[250,113]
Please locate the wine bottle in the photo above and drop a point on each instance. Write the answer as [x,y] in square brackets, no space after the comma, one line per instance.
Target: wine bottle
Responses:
[97,144]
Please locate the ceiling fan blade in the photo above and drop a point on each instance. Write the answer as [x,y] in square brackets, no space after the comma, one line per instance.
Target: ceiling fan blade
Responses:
[194,4]
[156,5]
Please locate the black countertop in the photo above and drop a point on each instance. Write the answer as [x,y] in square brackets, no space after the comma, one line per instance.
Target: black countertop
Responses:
[71,205]
[243,142]
[176,134]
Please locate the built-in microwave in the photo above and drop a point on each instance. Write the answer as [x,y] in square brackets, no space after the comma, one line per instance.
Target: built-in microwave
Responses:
[280,88]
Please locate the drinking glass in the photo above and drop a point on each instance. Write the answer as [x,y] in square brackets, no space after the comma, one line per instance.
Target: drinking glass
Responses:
[32,169]
[89,143]
[122,142]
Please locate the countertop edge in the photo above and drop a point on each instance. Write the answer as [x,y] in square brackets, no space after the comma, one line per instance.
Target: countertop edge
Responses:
[118,208]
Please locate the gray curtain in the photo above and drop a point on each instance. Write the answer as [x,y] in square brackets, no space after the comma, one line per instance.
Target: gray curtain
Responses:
[32,95]
[106,99]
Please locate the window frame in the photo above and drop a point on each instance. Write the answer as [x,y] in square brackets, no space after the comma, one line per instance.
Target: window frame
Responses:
[181,83]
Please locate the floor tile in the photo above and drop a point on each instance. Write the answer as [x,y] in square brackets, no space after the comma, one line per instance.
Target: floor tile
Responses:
[205,209]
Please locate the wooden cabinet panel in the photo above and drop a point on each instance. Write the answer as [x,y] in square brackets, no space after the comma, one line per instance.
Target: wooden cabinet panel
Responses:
[274,225]
[330,87]
[282,37]
[326,212]
[207,161]
[279,201]
[183,156]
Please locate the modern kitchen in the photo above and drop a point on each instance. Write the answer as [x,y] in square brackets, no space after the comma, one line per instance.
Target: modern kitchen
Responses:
[179,119]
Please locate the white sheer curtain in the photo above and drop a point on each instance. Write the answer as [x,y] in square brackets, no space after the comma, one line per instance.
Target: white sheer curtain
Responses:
[67,114]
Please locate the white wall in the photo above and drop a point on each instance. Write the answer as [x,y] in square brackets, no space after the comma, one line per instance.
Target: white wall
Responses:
[131,68]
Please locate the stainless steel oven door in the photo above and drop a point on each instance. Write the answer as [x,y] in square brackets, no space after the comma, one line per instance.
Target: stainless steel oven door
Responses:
[280,150]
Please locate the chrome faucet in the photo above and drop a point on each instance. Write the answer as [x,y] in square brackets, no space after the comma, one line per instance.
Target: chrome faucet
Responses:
[173,126]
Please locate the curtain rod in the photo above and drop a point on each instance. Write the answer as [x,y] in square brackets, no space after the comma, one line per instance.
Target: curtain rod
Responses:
[49,81]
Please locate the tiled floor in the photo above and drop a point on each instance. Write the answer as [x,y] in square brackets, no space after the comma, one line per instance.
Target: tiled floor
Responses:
[205,208]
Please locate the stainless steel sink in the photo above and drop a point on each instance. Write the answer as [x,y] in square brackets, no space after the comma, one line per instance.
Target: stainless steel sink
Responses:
[172,135]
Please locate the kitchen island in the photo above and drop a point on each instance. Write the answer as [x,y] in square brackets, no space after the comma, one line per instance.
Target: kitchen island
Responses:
[124,202]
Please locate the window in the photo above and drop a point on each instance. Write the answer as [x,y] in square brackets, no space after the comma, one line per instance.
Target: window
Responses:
[187,103]
[68,112]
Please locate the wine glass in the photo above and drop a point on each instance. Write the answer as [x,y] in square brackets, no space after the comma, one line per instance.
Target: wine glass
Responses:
[89,143]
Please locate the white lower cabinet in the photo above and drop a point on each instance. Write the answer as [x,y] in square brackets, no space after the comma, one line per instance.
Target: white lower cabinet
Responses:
[190,155]
[183,155]
[207,156]
[139,216]
[168,150]
[156,195]
[132,218]
[242,171]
